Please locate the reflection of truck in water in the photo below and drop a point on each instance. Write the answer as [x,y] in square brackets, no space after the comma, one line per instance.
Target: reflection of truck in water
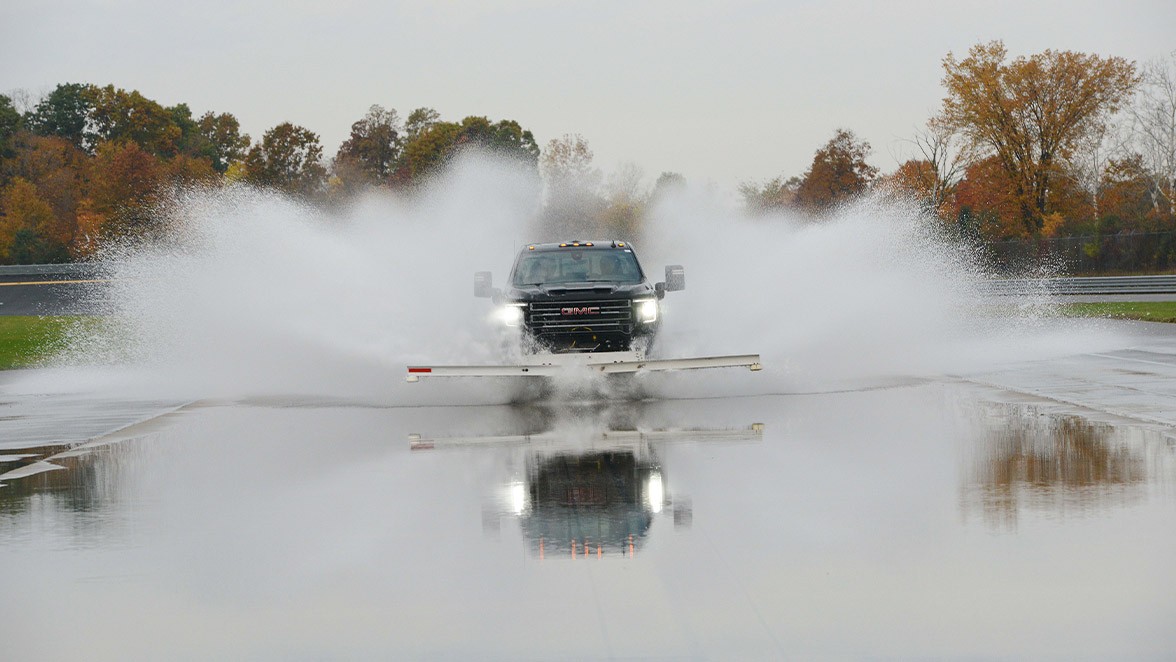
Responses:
[581,296]
[592,494]
[593,503]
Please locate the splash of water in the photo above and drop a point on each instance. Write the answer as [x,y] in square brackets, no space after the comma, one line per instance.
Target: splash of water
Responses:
[875,291]
[253,294]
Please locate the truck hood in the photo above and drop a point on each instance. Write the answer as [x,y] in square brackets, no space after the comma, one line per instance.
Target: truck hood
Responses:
[581,292]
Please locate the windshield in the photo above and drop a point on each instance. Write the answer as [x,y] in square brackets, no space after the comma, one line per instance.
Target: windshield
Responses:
[574,265]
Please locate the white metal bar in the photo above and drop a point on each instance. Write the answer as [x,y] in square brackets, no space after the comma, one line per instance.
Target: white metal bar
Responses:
[751,361]
[609,363]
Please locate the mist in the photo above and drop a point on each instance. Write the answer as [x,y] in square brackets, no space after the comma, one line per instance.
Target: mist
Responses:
[252,294]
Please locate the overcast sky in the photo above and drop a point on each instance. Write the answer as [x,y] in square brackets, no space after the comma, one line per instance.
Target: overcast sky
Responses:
[718,91]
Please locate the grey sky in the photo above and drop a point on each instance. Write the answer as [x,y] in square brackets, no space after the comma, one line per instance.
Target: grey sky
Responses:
[719,91]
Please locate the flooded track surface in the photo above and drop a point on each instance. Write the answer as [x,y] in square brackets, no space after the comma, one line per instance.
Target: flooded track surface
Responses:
[1026,511]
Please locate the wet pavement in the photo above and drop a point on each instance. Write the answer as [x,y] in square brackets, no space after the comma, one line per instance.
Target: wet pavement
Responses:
[1027,511]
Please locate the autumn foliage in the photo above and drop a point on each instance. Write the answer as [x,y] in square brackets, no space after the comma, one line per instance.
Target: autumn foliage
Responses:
[1034,113]
[839,171]
[91,164]
[1054,144]
[1045,145]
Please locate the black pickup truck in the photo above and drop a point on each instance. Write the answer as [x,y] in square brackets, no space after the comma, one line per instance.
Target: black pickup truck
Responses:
[581,296]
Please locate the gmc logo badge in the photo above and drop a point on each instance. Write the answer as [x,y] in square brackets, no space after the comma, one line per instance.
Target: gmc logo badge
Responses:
[580,310]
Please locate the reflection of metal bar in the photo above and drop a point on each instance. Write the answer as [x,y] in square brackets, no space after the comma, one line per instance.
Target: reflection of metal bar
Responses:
[549,365]
[611,438]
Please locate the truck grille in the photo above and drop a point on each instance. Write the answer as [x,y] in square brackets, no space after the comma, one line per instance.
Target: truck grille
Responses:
[601,316]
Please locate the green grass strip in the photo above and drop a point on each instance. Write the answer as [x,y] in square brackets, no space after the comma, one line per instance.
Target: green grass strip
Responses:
[1150,311]
[27,341]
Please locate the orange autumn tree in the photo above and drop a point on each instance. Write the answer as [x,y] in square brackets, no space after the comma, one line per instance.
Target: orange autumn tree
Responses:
[915,178]
[124,180]
[839,172]
[1126,197]
[983,203]
[1032,114]
[55,167]
[27,224]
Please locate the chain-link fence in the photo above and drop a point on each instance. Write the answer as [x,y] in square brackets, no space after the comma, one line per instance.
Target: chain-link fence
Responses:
[1137,253]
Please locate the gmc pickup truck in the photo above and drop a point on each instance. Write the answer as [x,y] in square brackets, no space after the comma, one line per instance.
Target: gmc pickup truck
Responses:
[581,296]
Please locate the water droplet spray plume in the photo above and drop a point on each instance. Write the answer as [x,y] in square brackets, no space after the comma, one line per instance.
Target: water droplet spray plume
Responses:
[252,294]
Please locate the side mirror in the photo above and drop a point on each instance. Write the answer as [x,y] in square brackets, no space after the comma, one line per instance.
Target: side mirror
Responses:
[483,285]
[660,290]
[675,278]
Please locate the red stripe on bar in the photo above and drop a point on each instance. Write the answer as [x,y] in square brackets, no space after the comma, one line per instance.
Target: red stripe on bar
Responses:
[420,370]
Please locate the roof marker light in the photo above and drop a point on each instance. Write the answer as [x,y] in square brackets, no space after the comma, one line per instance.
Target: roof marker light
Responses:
[530,248]
[563,245]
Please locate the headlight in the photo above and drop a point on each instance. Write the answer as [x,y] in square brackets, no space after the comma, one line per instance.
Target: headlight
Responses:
[655,492]
[511,314]
[646,310]
[516,494]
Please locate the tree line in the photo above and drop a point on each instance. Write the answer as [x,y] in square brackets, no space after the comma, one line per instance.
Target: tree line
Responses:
[1053,144]
[89,164]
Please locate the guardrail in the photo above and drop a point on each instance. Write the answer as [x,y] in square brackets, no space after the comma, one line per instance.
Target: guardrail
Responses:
[1004,286]
[1086,285]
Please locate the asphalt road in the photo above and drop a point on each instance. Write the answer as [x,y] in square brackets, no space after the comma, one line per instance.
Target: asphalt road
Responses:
[49,290]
